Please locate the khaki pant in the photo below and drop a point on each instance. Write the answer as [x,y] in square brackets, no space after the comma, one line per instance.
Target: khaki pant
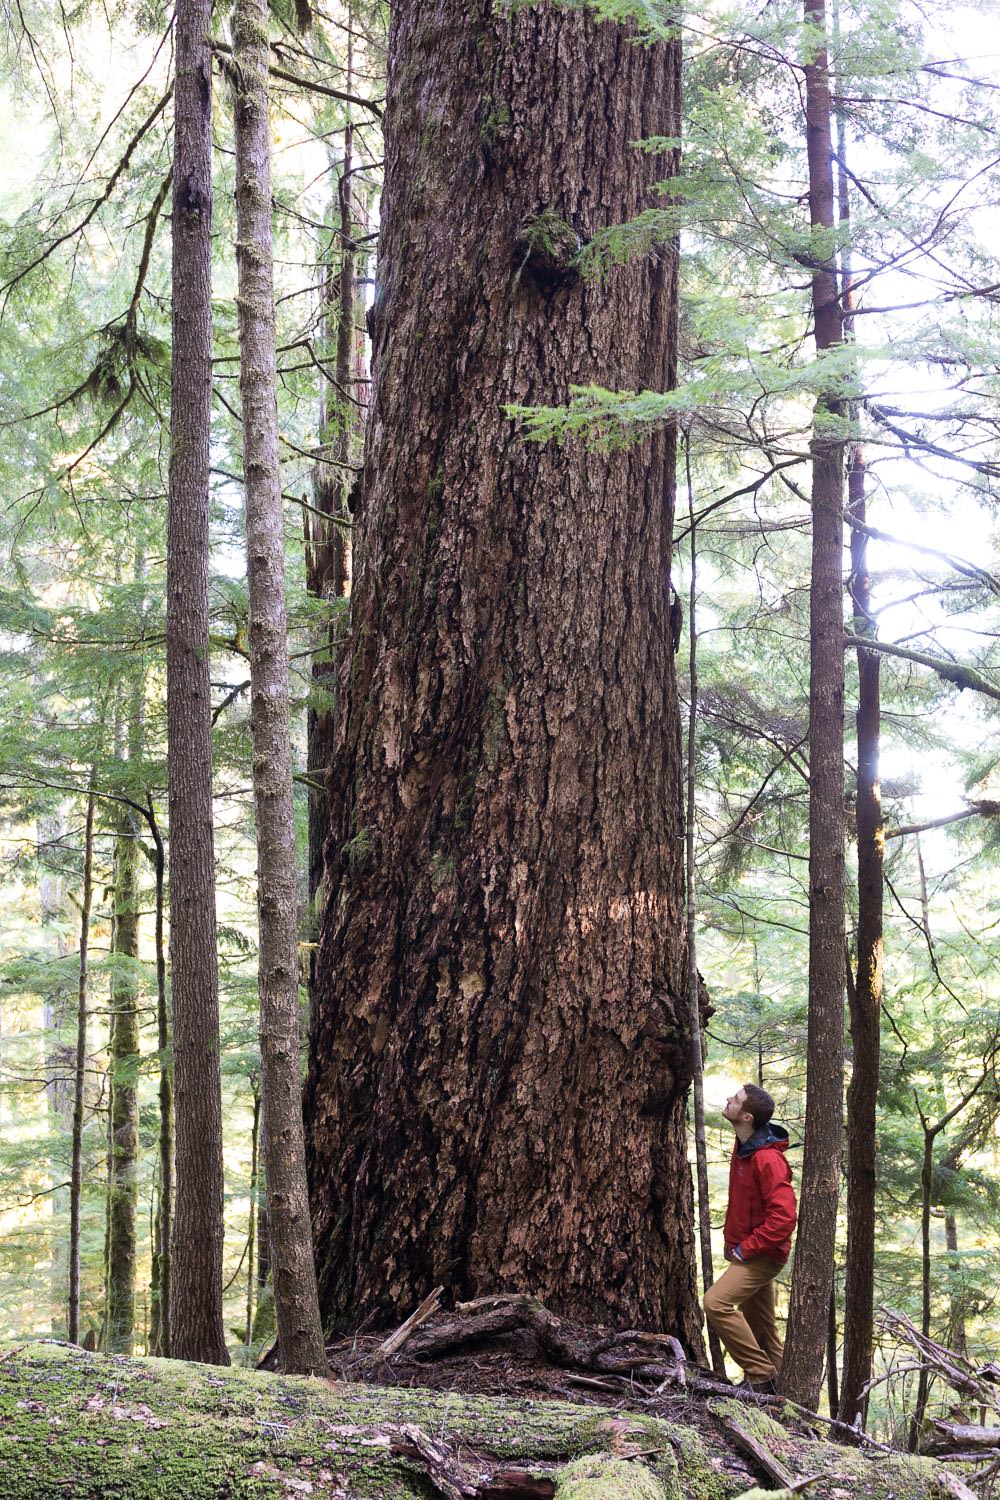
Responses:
[740,1307]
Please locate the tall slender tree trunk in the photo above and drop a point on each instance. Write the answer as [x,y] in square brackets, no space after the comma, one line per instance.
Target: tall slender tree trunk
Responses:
[957,1334]
[160,1277]
[58,1056]
[812,1279]
[694,979]
[300,1334]
[931,1133]
[926,1200]
[832,1383]
[196,1281]
[263,1317]
[865,994]
[253,1215]
[124,1109]
[327,551]
[501,1040]
[79,1081]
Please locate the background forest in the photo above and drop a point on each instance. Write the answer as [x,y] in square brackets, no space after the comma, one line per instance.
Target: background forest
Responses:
[909,390]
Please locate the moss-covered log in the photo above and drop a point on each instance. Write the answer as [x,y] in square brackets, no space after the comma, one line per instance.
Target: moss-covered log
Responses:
[82,1425]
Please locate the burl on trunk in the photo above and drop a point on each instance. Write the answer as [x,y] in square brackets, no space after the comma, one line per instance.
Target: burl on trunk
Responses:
[499,1047]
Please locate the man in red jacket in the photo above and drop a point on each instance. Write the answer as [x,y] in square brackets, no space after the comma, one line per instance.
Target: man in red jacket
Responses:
[758,1237]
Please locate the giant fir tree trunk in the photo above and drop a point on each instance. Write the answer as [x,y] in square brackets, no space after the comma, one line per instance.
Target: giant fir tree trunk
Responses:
[196,1286]
[812,1279]
[300,1335]
[500,1049]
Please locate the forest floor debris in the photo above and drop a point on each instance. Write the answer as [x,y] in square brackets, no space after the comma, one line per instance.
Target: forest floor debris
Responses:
[487,1418]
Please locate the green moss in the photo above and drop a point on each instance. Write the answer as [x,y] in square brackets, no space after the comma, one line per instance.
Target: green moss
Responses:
[77,1424]
[874,1474]
[442,870]
[84,1426]
[360,645]
[601,1476]
[496,123]
[753,1419]
[358,848]
[494,725]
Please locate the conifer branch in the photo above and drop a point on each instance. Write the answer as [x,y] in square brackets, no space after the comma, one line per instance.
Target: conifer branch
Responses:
[957,564]
[308,84]
[956,673]
[97,204]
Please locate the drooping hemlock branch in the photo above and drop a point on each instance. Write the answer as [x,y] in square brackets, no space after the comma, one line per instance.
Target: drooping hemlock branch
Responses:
[956,673]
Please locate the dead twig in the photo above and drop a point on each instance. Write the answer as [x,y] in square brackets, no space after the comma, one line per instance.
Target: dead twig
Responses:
[407,1329]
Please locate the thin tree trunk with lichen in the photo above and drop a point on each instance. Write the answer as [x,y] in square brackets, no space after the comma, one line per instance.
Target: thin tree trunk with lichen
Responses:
[957,1298]
[327,534]
[300,1334]
[79,1081]
[812,1276]
[196,1248]
[160,1271]
[58,1055]
[252,1217]
[694,979]
[865,993]
[124,1109]
[500,1047]
[327,549]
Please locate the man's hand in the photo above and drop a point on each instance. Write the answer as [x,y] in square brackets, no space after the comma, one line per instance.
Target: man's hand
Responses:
[732,1252]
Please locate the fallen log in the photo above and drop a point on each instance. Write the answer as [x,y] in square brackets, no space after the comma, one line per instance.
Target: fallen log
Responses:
[762,1457]
[81,1426]
[965,1434]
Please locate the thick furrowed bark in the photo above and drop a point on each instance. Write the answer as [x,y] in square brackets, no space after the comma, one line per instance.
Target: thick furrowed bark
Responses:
[501,1042]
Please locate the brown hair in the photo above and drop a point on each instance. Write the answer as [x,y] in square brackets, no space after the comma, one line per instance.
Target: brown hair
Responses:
[759,1104]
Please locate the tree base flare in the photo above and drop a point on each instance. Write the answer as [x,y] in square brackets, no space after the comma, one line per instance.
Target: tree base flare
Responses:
[83,1425]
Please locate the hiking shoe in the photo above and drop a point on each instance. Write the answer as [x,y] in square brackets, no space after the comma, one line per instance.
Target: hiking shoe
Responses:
[758,1387]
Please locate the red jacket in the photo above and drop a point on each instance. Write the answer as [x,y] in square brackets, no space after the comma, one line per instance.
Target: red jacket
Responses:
[761,1213]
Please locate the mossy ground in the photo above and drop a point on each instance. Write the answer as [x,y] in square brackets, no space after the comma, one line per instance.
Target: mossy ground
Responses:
[845,1470]
[84,1426]
[88,1425]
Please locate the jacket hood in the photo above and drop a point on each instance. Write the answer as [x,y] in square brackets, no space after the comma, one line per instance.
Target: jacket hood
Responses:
[767,1135]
